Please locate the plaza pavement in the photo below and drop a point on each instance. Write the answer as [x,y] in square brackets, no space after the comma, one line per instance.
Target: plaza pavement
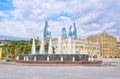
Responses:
[109,70]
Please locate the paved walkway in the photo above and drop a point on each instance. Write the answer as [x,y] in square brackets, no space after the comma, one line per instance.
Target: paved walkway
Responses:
[17,71]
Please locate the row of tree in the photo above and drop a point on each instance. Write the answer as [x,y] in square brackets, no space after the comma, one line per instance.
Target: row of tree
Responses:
[14,48]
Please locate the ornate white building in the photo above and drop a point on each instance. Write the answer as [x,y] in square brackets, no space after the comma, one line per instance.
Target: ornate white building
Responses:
[79,46]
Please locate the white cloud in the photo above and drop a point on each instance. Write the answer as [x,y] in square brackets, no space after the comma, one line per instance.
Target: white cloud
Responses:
[90,16]
[108,25]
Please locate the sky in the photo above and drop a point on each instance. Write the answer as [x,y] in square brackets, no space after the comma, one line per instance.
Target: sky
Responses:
[25,19]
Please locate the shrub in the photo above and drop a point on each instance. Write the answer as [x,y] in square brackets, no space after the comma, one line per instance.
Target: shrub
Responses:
[11,57]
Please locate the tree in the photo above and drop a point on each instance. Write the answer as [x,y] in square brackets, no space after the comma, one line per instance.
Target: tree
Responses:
[53,48]
[46,46]
[14,48]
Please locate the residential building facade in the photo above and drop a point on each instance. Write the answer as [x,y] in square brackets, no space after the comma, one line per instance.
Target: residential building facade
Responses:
[118,48]
[108,44]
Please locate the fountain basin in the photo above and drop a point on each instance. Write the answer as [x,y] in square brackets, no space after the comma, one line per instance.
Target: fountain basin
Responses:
[53,57]
[57,62]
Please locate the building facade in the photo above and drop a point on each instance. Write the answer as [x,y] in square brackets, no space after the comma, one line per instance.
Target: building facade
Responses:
[108,44]
[79,46]
[64,34]
[0,53]
[72,31]
[47,31]
[1,44]
[118,48]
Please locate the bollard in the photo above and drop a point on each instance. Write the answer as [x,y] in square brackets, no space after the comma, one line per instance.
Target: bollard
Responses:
[61,58]
[48,58]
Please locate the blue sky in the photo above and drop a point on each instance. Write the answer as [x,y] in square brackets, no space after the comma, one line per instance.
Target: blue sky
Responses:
[25,18]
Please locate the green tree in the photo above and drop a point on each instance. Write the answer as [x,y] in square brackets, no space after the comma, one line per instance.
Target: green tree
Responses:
[46,46]
[53,50]
[13,48]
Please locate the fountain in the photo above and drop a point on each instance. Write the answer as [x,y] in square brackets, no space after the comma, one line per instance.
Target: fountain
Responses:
[17,58]
[89,59]
[59,46]
[42,51]
[48,58]
[58,58]
[73,59]
[69,50]
[92,58]
[61,58]
[27,58]
[35,58]
[33,49]
[50,51]
[24,58]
